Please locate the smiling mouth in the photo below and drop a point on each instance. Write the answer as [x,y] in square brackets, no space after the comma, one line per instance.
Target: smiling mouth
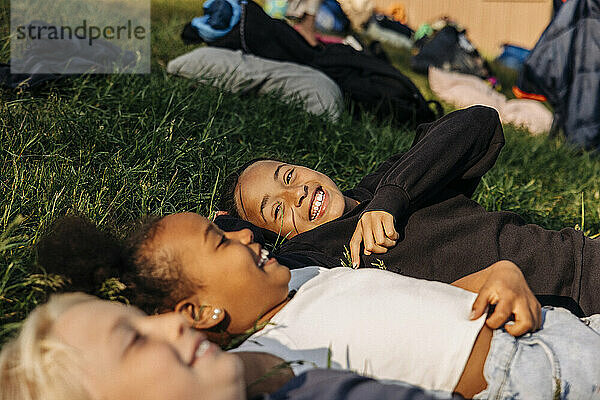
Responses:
[202,349]
[316,205]
[264,257]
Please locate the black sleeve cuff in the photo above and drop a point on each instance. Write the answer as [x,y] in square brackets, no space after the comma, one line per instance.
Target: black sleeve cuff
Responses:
[390,198]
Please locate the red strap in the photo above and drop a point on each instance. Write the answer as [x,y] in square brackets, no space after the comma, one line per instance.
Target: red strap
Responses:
[519,94]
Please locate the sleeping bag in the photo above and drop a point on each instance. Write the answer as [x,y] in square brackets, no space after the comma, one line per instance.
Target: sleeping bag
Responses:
[564,66]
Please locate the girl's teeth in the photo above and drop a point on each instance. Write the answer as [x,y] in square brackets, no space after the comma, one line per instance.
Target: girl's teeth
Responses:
[317,204]
[264,257]
[202,348]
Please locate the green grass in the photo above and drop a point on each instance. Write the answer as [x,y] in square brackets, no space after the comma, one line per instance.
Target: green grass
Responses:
[119,147]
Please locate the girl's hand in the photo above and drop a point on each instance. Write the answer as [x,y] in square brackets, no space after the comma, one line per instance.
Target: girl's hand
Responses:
[376,230]
[506,289]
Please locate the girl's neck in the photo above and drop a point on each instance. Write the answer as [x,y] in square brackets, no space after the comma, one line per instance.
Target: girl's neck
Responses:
[266,317]
[226,338]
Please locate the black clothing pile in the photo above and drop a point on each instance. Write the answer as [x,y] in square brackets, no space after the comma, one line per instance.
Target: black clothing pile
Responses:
[564,66]
[372,83]
[444,235]
[450,50]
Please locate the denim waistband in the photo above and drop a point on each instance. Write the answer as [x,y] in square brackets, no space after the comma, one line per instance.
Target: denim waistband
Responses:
[560,361]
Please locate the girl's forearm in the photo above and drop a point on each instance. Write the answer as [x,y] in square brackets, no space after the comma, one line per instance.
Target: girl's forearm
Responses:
[264,373]
[475,281]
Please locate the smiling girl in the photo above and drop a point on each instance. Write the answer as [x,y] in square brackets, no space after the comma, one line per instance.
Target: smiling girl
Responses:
[414,215]
[401,329]
[78,347]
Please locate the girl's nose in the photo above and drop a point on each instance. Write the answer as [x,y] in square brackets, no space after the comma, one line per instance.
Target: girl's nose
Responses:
[169,326]
[245,236]
[173,329]
[297,194]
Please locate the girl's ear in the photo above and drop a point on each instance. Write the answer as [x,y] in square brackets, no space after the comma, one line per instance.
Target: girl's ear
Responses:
[200,316]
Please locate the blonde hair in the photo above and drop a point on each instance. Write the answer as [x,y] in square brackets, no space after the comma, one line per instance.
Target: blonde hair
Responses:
[35,365]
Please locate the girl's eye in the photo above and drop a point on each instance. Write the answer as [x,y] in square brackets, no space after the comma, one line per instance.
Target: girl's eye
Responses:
[223,240]
[277,210]
[137,339]
[288,177]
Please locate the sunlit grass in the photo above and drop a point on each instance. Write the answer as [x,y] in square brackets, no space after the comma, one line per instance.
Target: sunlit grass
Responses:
[119,147]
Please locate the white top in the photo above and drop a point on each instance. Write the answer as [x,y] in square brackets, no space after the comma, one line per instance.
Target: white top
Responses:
[373,322]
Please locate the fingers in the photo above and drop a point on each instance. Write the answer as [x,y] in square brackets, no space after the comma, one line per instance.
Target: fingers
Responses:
[375,230]
[536,311]
[370,245]
[355,242]
[500,316]
[376,226]
[524,322]
[380,238]
[527,313]
[508,291]
[503,310]
[479,306]
[527,317]
[389,228]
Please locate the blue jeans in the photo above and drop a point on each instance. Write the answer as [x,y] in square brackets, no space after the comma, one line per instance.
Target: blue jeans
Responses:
[561,361]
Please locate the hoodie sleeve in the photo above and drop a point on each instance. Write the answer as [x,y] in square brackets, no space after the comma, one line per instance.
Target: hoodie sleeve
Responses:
[454,151]
[329,384]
